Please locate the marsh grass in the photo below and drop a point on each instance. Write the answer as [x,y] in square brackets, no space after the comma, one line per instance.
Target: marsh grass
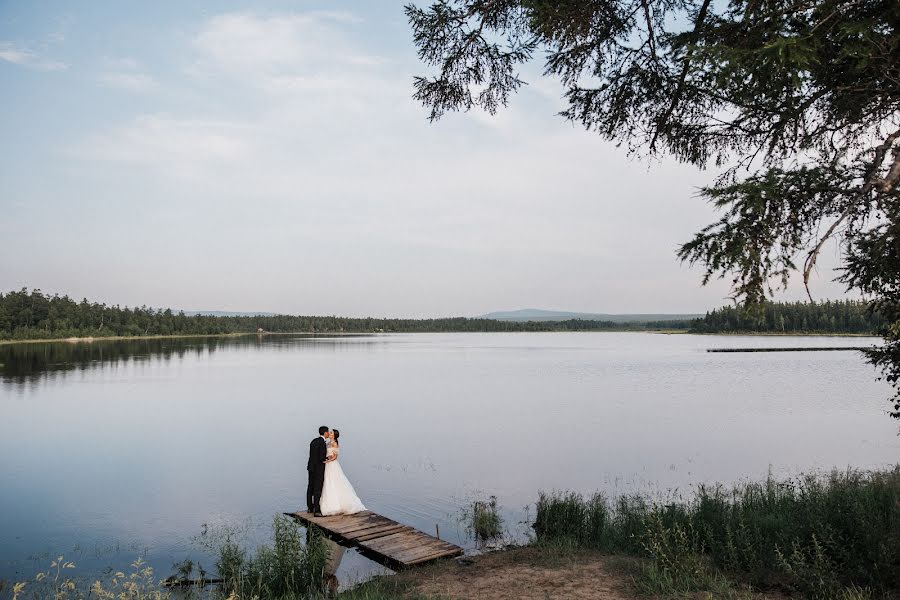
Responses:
[835,536]
[482,520]
[291,567]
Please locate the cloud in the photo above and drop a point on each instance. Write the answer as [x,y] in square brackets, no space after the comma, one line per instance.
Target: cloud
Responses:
[176,146]
[132,82]
[316,146]
[288,44]
[23,57]
[126,74]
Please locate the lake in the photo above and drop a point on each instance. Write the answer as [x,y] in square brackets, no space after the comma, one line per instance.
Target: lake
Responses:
[116,449]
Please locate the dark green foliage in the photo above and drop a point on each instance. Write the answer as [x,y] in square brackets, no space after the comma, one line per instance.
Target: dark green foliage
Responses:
[844,316]
[802,97]
[819,535]
[34,315]
[873,265]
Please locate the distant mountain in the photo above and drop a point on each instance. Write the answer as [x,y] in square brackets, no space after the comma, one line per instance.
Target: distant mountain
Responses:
[227,313]
[536,314]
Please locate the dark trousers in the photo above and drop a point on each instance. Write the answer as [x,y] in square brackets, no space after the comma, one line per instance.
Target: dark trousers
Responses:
[314,488]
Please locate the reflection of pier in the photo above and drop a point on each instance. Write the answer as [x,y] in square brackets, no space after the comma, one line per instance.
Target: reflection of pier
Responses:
[378,538]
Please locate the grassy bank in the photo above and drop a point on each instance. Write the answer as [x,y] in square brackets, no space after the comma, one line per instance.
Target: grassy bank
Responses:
[835,536]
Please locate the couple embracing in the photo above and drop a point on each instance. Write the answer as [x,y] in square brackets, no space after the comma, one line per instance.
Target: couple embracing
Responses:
[329,492]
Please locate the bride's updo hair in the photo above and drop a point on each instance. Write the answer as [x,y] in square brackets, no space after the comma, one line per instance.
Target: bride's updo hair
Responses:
[337,434]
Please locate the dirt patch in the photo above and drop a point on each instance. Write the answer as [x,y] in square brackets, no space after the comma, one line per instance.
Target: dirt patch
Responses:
[522,573]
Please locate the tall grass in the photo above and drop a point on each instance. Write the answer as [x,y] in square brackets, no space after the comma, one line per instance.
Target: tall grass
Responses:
[831,536]
[482,520]
[289,568]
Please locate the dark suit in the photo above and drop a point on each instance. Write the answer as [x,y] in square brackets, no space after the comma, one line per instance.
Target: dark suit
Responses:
[316,470]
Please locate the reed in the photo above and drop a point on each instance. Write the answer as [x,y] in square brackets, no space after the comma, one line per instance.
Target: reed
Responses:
[482,520]
[289,568]
[828,536]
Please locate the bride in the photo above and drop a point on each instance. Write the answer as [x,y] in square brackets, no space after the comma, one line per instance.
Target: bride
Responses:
[338,496]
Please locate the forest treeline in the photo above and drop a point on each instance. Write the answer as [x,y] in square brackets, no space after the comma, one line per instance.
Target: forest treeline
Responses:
[34,315]
[830,316]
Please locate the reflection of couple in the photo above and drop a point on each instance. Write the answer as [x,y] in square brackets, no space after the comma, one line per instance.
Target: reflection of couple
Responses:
[329,492]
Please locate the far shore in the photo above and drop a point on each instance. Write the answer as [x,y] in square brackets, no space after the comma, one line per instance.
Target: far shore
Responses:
[89,340]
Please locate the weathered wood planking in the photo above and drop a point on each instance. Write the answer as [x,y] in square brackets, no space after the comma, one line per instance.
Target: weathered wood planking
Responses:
[378,538]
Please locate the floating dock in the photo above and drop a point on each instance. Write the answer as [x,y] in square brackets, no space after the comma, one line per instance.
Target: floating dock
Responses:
[380,539]
[805,349]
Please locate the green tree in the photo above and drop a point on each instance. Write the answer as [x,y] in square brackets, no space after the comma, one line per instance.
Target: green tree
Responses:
[797,100]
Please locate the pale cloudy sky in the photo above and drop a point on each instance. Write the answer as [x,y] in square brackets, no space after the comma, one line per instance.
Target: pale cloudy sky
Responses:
[268,156]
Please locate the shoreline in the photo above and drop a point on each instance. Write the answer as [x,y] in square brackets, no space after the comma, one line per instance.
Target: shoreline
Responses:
[90,340]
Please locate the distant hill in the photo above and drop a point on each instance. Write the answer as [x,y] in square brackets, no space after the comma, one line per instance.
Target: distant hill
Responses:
[227,313]
[537,314]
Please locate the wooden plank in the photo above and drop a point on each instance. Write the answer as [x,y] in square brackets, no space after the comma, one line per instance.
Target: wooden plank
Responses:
[416,552]
[371,523]
[381,539]
[433,557]
[381,532]
[378,530]
[400,544]
[349,525]
[331,518]
[431,545]
[337,519]
[387,540]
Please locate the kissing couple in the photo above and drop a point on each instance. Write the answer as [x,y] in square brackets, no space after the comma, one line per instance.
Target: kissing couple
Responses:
[329,492]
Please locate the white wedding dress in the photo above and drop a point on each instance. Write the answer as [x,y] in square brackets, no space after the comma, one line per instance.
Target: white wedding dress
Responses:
[338,495]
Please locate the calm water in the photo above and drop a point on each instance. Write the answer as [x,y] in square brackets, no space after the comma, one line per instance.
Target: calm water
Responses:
[115,449]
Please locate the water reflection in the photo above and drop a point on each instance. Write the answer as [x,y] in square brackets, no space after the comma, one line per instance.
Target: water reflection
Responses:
[31,362]
[335,555]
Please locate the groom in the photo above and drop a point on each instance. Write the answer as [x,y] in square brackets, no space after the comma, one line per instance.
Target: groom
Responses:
[316,471]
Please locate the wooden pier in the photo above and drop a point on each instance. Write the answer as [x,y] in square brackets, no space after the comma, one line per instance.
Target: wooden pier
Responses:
[380,539]
[803,349]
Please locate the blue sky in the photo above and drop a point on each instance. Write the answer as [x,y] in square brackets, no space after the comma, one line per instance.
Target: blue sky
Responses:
[268,156]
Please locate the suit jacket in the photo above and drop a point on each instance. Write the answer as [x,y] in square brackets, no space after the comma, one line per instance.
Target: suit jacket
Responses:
[317,453]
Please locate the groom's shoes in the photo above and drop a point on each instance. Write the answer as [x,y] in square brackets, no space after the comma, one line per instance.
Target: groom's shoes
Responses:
[317,514]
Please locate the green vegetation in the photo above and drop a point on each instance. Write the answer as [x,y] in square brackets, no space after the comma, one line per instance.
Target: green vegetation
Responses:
[482,520]
[290,568]
[798,101]
[60,582]
[826,537]
[840,316]
[33,315]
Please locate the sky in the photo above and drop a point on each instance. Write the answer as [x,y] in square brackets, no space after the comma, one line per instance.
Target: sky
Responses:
[268,156]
